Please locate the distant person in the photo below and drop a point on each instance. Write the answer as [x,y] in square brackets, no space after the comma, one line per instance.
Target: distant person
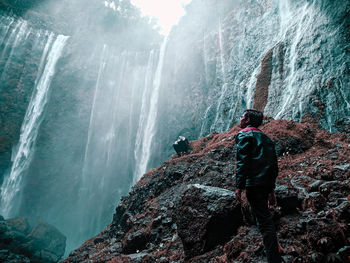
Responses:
[256,172]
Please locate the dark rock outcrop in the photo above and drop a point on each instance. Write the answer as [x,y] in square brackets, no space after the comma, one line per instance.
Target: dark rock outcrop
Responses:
[21,243]
[206,217]
[185,210]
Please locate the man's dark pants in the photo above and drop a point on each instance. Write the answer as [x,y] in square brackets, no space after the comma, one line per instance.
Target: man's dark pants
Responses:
[257,198]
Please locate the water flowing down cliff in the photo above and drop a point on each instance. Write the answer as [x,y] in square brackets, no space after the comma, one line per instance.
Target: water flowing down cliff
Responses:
[119,132]
[15,36]
[149,116]
[12,184]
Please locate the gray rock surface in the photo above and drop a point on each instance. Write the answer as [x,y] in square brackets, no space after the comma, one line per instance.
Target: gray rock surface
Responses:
[21,243]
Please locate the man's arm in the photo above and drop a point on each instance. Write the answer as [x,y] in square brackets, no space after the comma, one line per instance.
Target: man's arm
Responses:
[244,146]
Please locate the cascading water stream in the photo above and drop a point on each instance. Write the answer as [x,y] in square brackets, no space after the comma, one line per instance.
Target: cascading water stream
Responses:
[130,146]
[7,22]
[10,40]
[205,121]
[151,119]
[116,101]
[250,88]
[85,189]
[92,116]
[285,14]
[11,187]
[22,33]
[290,93]
[143,115]
[107,168]
[223,87]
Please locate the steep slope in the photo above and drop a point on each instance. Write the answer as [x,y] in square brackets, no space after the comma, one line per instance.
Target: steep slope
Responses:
[185,210]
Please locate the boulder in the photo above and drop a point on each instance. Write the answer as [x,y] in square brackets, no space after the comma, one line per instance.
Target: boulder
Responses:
[48,240]
[21,243]
[314,187]
[314,201]
[206,217]
[136,241]
[10,238]
[19,224]
[287,199]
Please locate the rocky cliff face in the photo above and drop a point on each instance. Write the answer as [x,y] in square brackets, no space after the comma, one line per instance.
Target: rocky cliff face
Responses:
[286,58]
[186,211]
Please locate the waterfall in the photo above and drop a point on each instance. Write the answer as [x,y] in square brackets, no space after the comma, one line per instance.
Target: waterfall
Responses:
[218,121]
[7,22]
[11,187]
[206,71]
[107,167]
[133,113]
[250,88]
[222,59]
[87,177]
[150,120]
[285,14]
[205,122]
[116,97]
[302,18]
[143,116]
[22,33]
[11,42]
[92,116]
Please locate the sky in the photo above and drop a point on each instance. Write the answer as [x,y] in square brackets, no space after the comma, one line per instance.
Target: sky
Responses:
[168,12]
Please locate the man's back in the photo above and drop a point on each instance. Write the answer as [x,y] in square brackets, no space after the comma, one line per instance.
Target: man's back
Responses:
[256,159]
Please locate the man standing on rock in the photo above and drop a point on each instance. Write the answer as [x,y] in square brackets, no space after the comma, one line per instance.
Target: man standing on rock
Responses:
[256,172]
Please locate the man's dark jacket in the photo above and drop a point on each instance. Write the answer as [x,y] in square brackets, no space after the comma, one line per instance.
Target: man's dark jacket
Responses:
[256,159]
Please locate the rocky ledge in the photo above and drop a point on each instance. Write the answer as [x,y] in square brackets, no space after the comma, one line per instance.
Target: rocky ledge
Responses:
[186,211]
